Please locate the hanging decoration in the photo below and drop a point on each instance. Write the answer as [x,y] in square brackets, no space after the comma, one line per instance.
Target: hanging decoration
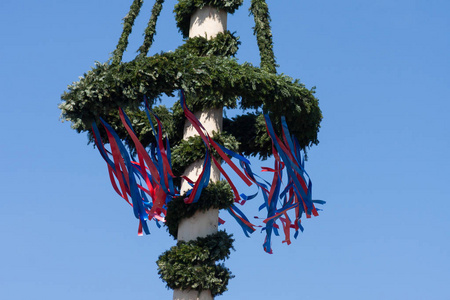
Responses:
[146,155]
[148,182]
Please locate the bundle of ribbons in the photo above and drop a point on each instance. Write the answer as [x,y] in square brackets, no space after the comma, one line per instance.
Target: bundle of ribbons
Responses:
[147,182]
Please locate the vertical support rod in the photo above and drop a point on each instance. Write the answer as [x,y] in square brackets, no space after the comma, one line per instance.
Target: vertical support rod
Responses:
[208,22]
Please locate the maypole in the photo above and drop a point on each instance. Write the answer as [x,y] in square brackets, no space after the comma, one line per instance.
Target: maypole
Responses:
[167,163]
[204,22]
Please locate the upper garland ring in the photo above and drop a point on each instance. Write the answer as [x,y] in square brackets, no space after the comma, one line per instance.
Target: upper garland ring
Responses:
[202,68]
[210,81]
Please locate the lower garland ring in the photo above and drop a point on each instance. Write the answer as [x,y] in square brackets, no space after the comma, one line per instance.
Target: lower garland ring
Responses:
[192,265]
[215,195]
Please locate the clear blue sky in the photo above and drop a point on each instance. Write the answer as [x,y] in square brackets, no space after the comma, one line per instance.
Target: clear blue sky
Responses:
[382,74]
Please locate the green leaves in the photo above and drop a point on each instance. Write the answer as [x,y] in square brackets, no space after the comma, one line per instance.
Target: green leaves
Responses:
[210,78]
[251,134]
[128,23]
[188,151]
[260,12]
[191,265]
[209,82]
[215,195]
[185,8]
[150,31]
[224,44]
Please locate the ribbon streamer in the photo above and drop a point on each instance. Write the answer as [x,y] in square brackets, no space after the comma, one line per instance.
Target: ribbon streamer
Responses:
[147,184]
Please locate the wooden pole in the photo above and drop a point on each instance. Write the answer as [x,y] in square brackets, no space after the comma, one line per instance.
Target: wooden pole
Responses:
[208,22]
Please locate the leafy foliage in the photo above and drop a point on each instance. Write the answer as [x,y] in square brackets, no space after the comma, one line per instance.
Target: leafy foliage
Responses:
[223,44]
[260,12]
[188,151]
[208,81]
[215,195]
[204,70]
[128,23]
[185,8]
[150,31]
[191,265]
[251,134]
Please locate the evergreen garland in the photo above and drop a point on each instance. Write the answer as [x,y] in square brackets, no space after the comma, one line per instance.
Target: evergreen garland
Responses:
[184,9]
[260,12]
[191,265]
[216,195]
[188,151]
[128,23]
[223,44]
[251,134]
[208,82]
[171,119]
[150,31]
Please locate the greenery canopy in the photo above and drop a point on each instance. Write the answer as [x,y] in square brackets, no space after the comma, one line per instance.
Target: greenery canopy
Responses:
[210,76]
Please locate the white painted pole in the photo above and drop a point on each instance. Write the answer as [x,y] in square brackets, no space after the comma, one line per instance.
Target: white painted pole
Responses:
[206,22]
